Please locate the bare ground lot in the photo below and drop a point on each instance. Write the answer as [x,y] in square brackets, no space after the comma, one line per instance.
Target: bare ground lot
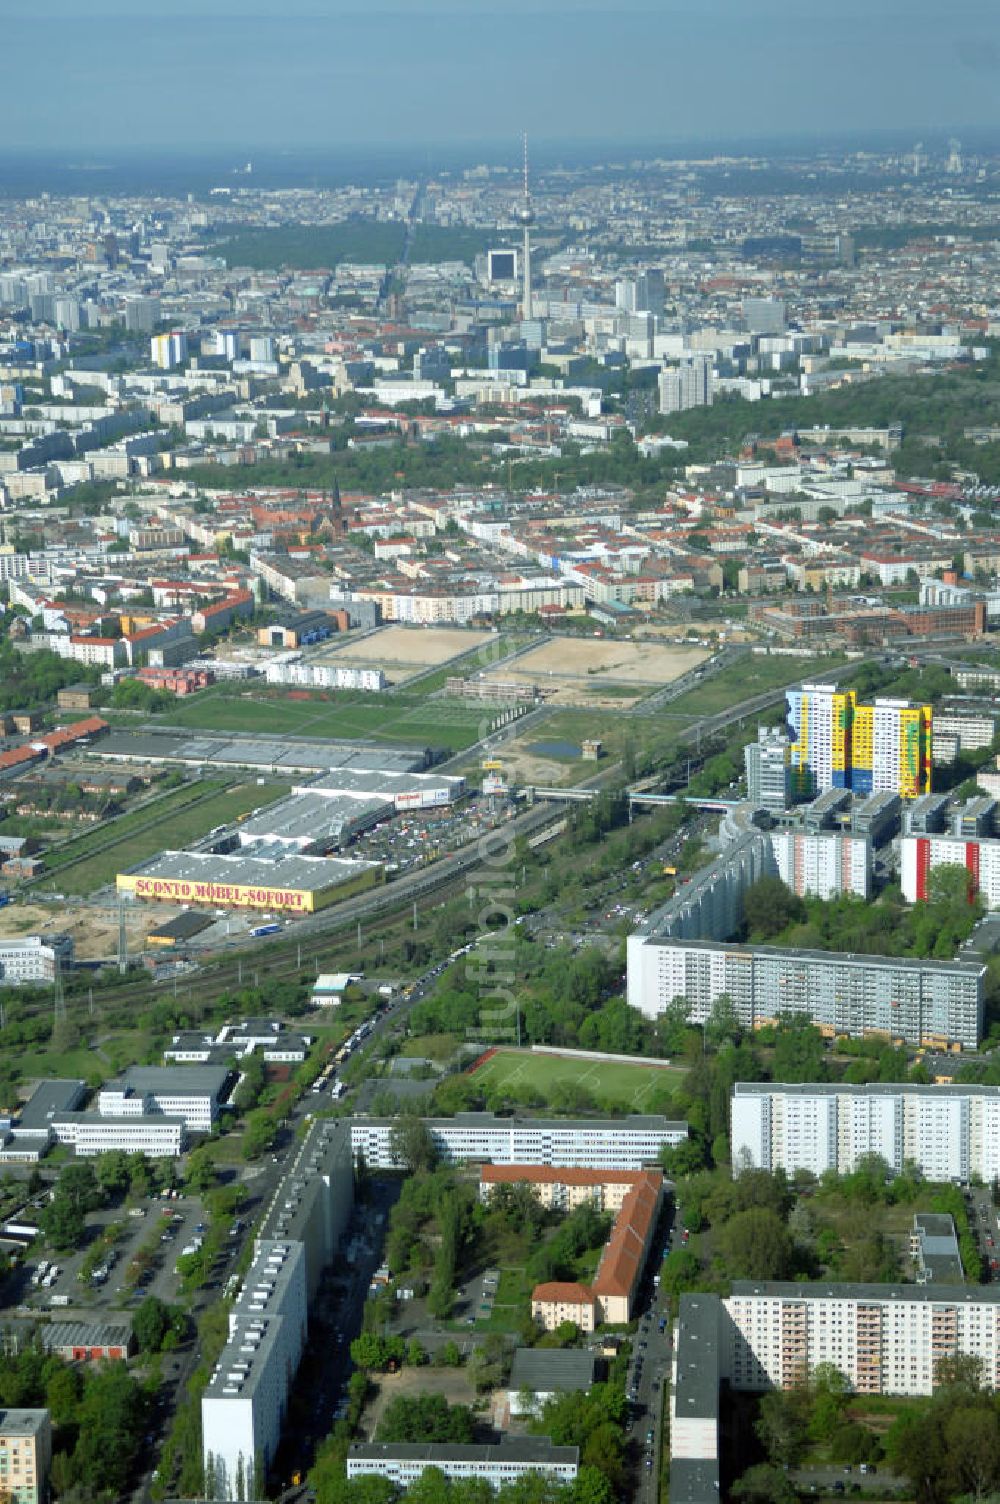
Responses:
[94,930]
[404,651]
[579,670]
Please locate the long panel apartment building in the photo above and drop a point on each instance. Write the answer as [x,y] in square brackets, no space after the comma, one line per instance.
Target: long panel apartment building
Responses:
[626,1143]
[245,1401]
[948,1132]
[934,1003]
[885,1339]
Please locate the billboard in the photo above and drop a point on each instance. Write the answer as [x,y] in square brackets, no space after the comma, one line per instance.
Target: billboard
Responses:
[232,895]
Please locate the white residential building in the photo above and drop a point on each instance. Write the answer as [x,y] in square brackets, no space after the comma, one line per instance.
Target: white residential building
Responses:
[245,1401]
[919,855]
[822,864]
[325,675]
[950,1132]
[935,1003]
[613,1144]
[885,1339]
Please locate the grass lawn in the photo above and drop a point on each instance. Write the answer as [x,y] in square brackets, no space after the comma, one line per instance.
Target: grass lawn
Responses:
[176,828]
[750,676]
[431,1046]
[97,836]
[397,718]
[107,1055]
[626,1086]
[513,1292]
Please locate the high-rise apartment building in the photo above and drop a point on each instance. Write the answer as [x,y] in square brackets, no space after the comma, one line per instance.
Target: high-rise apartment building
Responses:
[838,743]
[764,315]
[885,1339]
[142,314]
[934,1003]
[168,350]
[626,1143]
[948,1132]
[920,855]
[689,385]
[25,1455]
[769,768]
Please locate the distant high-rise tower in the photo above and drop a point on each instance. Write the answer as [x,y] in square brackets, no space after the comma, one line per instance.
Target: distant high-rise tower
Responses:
[954,162]
[527,217]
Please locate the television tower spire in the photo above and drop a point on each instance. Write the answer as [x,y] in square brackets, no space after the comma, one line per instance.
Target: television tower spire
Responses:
[527,217]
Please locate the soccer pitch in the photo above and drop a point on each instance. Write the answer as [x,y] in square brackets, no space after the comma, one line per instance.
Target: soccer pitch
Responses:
[615,1082]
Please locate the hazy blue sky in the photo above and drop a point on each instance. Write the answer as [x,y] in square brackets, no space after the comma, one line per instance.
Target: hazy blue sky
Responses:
[235,73]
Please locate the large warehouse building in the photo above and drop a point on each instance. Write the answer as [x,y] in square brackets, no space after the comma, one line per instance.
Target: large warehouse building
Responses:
[289,883]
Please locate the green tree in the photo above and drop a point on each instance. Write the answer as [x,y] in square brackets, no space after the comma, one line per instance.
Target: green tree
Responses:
[413,1145]
[756,1244]
[112,1171]
[769,907]
[151,1323]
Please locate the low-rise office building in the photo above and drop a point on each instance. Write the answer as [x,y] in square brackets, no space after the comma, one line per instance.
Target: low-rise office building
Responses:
[193,1093]
[934,1249]
[34,958]
[404,1463]
[157,1135]
[626,1143]
[948,1132]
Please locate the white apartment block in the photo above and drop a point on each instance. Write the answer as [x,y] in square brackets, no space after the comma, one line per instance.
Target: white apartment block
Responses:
[612,1144]
[950,1132]
[244,1404]
[885,1339]
[34,958]
[935,1003]
[822,864]
[919,855]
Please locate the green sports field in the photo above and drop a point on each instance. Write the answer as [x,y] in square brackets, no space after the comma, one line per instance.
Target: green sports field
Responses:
[616,1082]
[412,719]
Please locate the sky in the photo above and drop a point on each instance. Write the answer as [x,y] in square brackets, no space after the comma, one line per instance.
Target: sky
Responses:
[189,75]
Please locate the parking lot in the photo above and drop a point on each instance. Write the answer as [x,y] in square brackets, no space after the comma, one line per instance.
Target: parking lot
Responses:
[420,836]
[148,1245]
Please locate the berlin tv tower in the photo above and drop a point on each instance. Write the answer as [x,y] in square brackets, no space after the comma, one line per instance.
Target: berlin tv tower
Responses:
[527,218]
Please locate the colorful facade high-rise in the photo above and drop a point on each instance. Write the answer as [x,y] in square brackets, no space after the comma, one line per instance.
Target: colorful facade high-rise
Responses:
[839,743]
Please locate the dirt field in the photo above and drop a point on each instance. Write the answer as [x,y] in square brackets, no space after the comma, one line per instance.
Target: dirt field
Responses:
[453,1383]
[405,651]
[94,930]
[588,671]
